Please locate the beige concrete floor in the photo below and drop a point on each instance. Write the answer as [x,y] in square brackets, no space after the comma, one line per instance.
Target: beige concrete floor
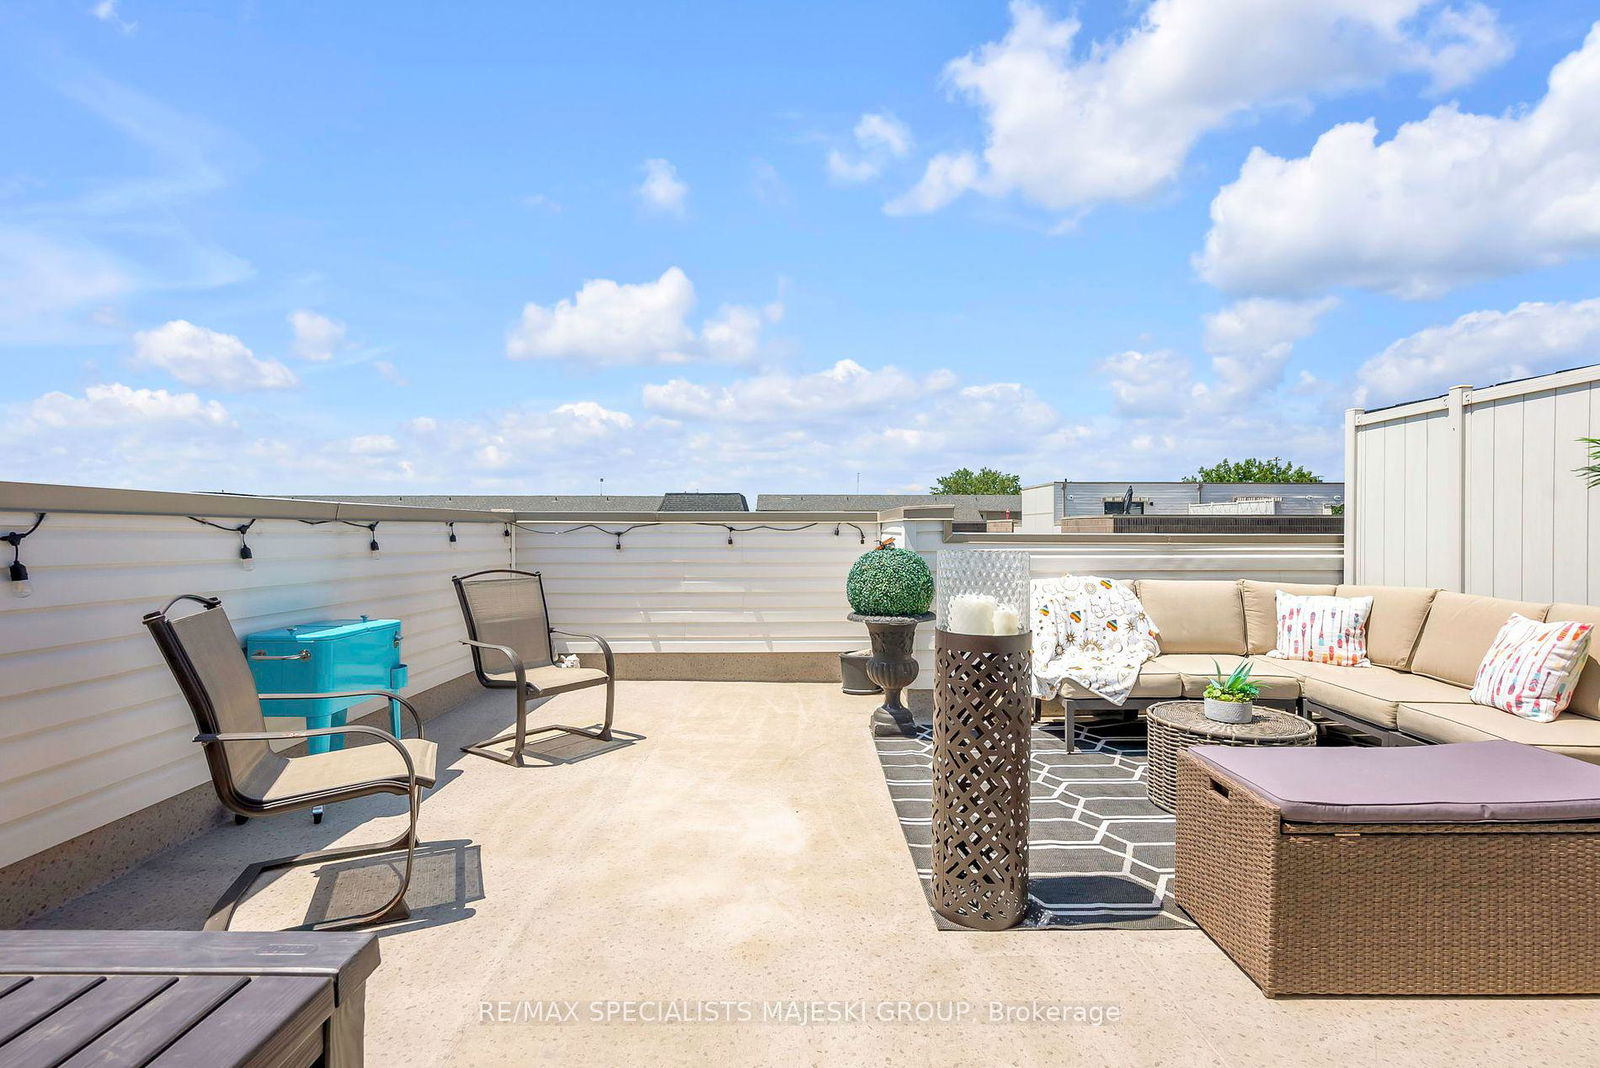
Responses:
[744,850]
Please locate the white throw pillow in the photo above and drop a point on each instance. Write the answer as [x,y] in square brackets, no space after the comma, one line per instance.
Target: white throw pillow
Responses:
[1532,668]
[1323,630]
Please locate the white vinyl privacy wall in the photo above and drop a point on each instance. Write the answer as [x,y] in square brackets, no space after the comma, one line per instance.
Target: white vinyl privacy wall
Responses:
[1476,491]
[91,724]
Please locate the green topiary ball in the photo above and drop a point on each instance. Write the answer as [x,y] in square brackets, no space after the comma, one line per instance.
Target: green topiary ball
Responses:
[889,582]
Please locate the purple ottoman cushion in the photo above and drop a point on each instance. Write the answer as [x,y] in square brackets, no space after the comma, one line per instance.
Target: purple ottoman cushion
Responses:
[1467,782]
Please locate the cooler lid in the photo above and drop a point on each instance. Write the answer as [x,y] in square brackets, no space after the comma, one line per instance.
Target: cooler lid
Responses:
[323,630]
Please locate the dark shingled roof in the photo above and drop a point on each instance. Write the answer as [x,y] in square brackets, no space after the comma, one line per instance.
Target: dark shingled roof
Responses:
[969,507]
[704,502]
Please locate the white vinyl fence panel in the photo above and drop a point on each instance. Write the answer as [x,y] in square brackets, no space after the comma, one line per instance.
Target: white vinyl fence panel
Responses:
[1477,491]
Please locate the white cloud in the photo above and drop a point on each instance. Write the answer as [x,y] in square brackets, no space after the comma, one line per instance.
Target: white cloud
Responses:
[1250,342]
[662,190]
[1450,198]
[880,137]
[1145,384]
[200,357]
[116,405]
[390,373]
[840,392]
[106,11]
[609,322]
[1069,126]
[374,445]
[316,337]
[68,262]
[1483,347]
[47,279]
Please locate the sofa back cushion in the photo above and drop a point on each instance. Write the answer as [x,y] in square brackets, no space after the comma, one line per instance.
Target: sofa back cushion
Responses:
[1396,622]
[1586,698]
[1195,617]
[1261,609]
[1459,631]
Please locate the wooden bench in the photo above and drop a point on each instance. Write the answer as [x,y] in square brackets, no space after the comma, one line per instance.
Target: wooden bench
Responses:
[169,998]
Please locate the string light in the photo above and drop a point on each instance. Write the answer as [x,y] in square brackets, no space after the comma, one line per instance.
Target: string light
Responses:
[247,559]
[21,586]
[617,534]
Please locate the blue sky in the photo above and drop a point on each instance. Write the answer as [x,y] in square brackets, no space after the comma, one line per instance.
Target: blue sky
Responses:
[763,247]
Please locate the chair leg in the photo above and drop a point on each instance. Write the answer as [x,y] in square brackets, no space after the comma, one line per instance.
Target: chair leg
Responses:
[391,910]
[522,731]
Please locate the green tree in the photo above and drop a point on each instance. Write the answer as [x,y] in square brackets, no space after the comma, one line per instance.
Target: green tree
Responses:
[986,480]
[1591,470]
[1253,470]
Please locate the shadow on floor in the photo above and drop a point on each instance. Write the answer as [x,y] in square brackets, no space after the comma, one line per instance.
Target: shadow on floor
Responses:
[553,748]
[445,879]
[1093,899]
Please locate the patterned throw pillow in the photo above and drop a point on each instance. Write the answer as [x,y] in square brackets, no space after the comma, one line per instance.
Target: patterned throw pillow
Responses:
[1323,630]
[1532,667]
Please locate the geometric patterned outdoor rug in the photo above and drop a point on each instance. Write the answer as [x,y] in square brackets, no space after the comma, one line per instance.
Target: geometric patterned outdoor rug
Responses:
[1100,855]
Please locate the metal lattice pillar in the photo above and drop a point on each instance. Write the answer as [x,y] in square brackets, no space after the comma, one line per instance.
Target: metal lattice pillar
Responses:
[981,725]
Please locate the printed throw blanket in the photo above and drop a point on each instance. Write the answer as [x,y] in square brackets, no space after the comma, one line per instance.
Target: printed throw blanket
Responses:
[1092,631]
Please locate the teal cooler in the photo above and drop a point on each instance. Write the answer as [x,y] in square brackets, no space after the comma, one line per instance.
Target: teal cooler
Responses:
[331,656]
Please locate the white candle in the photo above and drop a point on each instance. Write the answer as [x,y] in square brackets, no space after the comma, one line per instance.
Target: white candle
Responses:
[1007,620]
[971,613]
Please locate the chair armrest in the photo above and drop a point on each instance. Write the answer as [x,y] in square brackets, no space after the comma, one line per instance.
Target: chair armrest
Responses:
[605,647]
[353,728]
[510,654]
[396,698]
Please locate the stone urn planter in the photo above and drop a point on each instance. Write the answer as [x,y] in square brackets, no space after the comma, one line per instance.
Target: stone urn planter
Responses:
[890,591]
[893,666]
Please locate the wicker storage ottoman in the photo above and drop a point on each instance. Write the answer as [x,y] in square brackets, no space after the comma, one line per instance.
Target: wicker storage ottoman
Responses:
[1421,890]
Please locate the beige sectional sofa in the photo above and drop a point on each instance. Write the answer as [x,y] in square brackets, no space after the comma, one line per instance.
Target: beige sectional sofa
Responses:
[1424,644]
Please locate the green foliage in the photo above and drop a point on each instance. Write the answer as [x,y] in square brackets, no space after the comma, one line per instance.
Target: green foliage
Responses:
[986,480]
[1235,687]
[889,582]
[1253,470]
[1336,509]
[1591,470]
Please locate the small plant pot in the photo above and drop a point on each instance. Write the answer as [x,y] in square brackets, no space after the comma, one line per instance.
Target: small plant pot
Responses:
[1230,711]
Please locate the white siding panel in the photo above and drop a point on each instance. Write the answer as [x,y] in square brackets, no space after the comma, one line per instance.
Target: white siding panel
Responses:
[91,725]
[683,588]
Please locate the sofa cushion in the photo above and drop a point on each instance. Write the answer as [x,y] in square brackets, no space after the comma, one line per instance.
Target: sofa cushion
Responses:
[1532,668]
[1324,630]
[1395,623]
[1574,736]
[1369,693]
[1487,782]
[1261,609]
[1460,629]
[1160,676]
[1586,697]
[1198,670]
[1195,617]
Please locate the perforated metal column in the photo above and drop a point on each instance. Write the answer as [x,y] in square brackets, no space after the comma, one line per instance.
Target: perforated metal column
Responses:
[981,725]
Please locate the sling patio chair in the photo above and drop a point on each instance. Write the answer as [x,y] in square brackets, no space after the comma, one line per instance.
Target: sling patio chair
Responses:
[508,630]
[252,779]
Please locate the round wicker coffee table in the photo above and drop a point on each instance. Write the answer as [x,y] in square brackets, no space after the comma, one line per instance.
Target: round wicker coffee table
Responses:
[1177,725]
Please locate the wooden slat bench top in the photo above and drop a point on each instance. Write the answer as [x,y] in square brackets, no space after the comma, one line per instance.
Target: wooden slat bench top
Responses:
[174,998]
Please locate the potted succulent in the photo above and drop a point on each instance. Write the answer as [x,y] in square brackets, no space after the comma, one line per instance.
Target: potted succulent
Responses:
[890,590]
[1231,698]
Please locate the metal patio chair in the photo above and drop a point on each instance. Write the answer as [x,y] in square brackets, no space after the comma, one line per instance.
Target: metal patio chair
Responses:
[252,779]
[508,630]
